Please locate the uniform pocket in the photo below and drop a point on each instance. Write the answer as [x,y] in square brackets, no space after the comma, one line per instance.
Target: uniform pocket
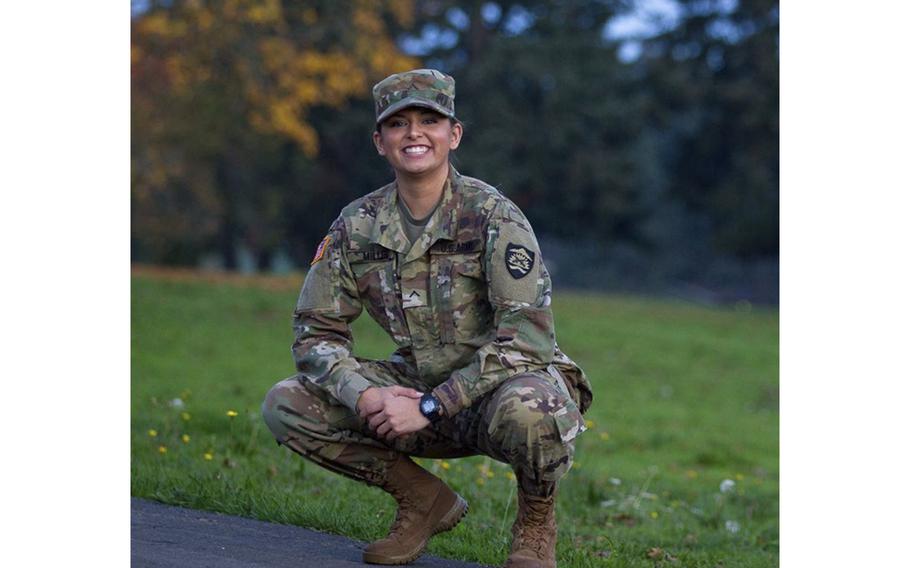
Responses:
[573,380]
[459,290]
[569,422]
[368,275]
[376,286]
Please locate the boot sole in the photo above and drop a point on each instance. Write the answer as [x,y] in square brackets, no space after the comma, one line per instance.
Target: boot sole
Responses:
[448,522]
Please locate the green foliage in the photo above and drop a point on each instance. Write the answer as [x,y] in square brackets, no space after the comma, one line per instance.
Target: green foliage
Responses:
[673,155]
[685,398]
[223,102]
[717,74]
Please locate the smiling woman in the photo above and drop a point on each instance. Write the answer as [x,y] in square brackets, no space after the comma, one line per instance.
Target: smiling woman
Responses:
[416,141]
[452,271]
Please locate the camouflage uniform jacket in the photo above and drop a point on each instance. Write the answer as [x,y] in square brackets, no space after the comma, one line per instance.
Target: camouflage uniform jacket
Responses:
[468,304]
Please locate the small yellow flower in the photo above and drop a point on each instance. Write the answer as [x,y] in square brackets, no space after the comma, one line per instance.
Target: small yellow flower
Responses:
[481,481]
[153,433]
[510,475]
[162,450]
[445,465]
[490,474]
[691,474]
[589,423]
[653,514]
[576,464]
[185,416]
[208,456]
[740,477]
[232,413]
[604,436]
[185,438]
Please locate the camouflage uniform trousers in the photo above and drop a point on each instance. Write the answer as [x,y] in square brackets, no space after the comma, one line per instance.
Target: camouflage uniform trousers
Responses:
[528,422]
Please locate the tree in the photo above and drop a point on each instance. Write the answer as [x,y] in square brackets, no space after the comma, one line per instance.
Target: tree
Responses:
[223,99]
[714,83]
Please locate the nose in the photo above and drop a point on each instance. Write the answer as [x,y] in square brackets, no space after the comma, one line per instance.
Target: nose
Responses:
[413,129]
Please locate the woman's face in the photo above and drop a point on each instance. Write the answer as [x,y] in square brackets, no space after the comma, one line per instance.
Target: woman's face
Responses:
[417,141]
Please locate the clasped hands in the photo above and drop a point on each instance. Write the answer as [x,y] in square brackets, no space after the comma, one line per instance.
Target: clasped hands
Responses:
[392,411]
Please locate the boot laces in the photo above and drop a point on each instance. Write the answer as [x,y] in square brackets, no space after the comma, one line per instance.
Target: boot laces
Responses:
[407,508]
[535,530]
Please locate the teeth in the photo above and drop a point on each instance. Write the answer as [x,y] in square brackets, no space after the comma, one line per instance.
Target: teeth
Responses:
[416,150]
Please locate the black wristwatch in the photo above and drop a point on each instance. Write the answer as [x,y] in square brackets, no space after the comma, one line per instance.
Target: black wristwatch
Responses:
[430,407]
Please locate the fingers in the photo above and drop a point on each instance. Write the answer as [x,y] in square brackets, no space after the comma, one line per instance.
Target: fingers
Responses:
[386,431]
[386,427]
[405,391]
[368,410]
[396,414]
[377,420]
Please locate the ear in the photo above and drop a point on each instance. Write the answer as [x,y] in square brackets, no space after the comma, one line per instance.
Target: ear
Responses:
[377,141]
[455,136]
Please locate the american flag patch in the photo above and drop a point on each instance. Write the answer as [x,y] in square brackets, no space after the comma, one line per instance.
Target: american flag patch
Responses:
[320,250]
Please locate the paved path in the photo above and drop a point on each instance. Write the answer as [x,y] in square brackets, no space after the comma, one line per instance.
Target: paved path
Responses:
[170,537]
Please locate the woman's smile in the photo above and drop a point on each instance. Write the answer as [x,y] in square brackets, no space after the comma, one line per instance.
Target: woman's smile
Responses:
[416,150]
[416,141]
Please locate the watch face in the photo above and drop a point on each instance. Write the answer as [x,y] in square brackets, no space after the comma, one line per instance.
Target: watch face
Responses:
[427,405]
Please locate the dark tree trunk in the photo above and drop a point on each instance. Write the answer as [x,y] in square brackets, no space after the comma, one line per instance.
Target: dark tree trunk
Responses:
[228,231]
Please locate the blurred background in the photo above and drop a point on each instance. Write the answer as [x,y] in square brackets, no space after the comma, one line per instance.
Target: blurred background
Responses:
[639,137]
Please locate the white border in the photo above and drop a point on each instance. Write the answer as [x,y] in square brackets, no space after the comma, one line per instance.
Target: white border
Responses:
[64,229]
[844,293]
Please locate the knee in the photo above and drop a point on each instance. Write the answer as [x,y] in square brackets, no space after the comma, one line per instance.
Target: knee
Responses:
[522,427]
[525,415]
[278,407]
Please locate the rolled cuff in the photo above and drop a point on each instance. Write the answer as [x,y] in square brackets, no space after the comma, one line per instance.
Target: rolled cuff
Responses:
[350,386]
[452,396]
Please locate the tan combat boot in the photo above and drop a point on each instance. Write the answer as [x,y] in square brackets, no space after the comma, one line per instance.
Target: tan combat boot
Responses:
[534,532]
[426,506]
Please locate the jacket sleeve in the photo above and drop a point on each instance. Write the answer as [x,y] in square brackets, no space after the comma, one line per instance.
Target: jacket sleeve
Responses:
[327,304]
[519,290]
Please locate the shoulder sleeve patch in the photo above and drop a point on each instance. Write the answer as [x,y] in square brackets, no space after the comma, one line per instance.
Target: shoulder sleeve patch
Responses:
[519,260]
[320,250]
[320,290]
[514,264]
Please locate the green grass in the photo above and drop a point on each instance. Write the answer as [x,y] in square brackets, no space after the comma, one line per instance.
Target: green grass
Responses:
[685,398]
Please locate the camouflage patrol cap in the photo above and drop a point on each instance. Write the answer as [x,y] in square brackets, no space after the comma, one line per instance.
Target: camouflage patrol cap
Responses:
[426,88]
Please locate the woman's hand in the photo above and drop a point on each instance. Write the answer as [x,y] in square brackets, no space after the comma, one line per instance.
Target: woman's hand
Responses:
[392,411]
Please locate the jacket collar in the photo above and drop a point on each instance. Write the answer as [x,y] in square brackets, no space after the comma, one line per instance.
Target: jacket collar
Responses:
[388,230]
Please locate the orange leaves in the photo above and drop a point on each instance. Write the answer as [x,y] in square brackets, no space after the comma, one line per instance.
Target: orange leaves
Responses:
[177,72]
[367,18]
[204,19]
[402,11]
[295,81]
[160,24]
[264,12]
[283,117]
[309,17]
[265,67]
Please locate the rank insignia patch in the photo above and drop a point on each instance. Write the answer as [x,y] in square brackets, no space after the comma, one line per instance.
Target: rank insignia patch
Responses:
[320,250]
[519,260]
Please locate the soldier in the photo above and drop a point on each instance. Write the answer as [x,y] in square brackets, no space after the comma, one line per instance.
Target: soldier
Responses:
[451,269]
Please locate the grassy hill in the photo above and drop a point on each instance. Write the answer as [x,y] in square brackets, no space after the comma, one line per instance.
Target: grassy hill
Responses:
[679,466]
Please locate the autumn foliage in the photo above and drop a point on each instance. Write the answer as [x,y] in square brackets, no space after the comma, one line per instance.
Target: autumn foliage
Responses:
[214,81]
